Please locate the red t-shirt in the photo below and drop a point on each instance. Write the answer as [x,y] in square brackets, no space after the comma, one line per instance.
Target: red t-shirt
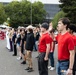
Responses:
[56,37]
[65,43]
[74,38]
[2,35]
[44,39]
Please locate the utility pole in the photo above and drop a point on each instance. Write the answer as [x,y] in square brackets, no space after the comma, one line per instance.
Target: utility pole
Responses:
[31,13]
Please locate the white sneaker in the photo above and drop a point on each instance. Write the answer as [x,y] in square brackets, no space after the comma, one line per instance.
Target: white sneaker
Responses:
[52,68]
[19,58]
[49,67]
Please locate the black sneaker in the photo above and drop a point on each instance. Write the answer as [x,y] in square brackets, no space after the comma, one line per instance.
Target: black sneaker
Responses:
[14,55]
[30,70]
[27,68]
[23,62]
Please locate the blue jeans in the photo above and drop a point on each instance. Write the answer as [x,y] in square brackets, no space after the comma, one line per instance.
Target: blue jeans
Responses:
[61,66]
[51,57]
[34,47]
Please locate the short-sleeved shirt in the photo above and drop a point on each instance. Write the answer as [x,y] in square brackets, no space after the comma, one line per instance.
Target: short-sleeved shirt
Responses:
[30,41]
[74,38]
[65,44]
[74,67]
[18,38]
[43,41]
[37,36]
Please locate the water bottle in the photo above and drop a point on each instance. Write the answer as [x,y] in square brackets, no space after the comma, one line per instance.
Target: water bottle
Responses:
[64,72]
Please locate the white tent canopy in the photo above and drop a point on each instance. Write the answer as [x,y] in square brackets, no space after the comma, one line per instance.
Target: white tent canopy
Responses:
[4,26]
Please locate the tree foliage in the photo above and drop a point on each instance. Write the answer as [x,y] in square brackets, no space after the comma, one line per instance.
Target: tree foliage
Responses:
[69,7]
[2,14]
[38,13]
[20,12]
[57,17]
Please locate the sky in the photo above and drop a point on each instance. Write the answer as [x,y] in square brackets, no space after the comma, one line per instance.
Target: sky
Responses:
[43,1]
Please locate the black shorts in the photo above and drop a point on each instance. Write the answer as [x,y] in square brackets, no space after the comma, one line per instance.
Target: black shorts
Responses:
[30,48]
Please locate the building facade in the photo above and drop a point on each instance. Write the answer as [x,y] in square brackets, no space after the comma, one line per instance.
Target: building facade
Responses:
[51,10]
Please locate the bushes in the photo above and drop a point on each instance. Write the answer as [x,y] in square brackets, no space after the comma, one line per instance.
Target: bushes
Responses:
[57,17]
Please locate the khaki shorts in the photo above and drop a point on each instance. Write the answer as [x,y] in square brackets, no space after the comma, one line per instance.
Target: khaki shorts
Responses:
[28,54]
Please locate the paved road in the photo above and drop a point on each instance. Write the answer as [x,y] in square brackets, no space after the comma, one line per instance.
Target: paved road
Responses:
[9,65]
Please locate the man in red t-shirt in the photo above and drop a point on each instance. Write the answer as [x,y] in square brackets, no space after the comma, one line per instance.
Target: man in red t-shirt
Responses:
[44,49]
[72,30]
[65,49]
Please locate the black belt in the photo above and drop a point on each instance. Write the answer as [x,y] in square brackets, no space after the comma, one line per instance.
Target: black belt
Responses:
[42,52]
[63,60]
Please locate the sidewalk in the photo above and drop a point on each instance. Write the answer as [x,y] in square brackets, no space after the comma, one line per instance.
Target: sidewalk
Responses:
[9,65]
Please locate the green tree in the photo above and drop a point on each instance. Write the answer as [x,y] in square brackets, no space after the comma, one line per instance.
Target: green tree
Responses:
[26,10]
[2,14]
[14,12]
[20,12]
[57,17]
[38,12]
[69,7]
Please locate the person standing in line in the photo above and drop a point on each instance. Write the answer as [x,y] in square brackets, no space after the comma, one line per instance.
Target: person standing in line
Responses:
[37,36]
[72,30]
[7,39]
[65,49]
[34,31]
[14,42]
[45,43]
[23,40]
[10,39]
[18,41]
[51,54]
[29,48]
[74,66]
